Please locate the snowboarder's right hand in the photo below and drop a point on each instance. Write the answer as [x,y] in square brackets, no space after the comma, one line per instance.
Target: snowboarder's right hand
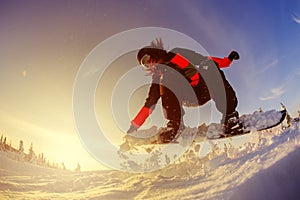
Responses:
[132,129]
[233,56]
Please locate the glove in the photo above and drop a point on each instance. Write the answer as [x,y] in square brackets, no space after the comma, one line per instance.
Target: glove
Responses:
[132,129]
[195,80]
[233,56]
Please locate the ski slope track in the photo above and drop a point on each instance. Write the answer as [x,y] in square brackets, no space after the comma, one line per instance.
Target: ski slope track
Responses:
[259,165]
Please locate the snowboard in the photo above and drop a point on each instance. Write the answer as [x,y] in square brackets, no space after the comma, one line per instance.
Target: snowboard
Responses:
[257,121]
[150,138]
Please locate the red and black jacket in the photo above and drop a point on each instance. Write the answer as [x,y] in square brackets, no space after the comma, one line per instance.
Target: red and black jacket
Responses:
[188,70]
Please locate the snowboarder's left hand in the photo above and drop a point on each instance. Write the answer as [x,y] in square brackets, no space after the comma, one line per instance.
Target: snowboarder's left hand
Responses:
[132,129]
[233,56]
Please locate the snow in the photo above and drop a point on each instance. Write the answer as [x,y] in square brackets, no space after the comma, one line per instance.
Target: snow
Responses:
[260,165]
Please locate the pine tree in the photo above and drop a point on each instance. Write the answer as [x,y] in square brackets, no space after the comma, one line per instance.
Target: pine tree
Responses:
[48,164]
[63,167]
[4,144]
[21,151]
[1,143]
[21,146]
[31,155]
[40,159]
[55,165]
[78,168]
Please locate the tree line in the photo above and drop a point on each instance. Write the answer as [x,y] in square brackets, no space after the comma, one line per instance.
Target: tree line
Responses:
[30,157]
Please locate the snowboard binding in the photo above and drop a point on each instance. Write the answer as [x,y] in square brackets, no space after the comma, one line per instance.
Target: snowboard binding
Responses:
[232,125]
[171,132]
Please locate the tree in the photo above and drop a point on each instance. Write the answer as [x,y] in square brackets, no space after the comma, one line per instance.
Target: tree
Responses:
[48,163]
[1,143]
[63,167]
[41,159]
[20,154]
[31,155]
[21,146]
[4,144]
[78,168]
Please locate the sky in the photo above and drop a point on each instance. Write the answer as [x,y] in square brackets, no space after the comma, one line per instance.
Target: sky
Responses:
[44,43]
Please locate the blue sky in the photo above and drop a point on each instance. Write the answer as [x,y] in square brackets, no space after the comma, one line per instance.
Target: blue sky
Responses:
[44,43]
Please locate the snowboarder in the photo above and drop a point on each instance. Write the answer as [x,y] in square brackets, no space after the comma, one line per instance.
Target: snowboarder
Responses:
[161,64]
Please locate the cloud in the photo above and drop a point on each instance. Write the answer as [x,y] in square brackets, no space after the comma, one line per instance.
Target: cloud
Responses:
[298,72]
[271,64]
[296,18]
[275,93]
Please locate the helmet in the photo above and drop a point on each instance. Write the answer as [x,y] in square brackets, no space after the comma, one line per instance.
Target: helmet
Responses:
[151,53]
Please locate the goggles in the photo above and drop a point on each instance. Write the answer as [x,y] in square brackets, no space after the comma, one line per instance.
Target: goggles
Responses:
[145,60]
[148,65]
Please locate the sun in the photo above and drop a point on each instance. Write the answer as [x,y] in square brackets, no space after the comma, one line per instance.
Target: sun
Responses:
[24,73]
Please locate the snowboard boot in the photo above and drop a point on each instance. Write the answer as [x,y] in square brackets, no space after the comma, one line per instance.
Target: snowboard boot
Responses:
[169,133]
[232,124]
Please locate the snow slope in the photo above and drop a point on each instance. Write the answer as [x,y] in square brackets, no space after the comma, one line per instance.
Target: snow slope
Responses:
[263,166]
